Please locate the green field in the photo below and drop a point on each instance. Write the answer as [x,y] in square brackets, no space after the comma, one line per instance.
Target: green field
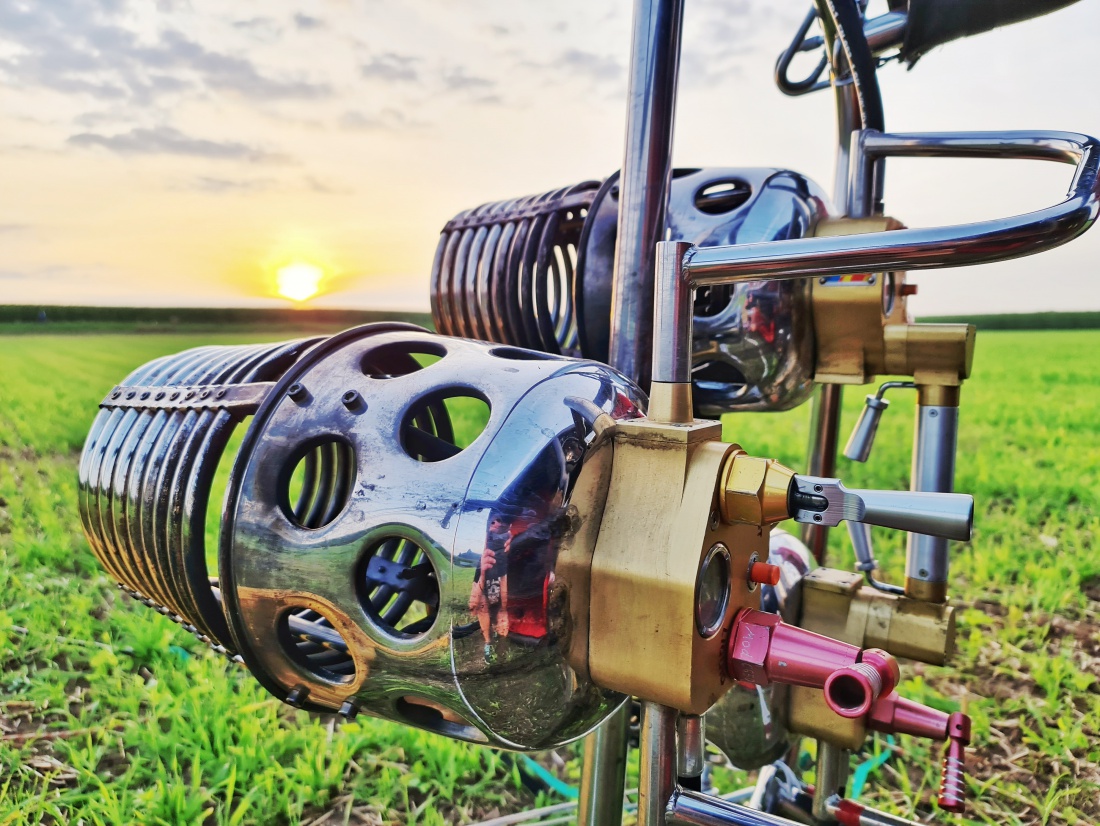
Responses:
[110,714]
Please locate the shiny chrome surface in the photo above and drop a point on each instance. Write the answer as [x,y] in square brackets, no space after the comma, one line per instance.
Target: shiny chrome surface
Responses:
[749,725]
[908,249]
[829,502]
[657,767]
[690,746]
[603,771]
[694,809]
[926,557]
[148,465]
[862,439]
[831,775]
[438,633]
[647,169]
[821,455]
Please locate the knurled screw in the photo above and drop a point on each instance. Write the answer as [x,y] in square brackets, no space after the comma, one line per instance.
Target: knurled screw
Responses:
[296,391]
[297,696]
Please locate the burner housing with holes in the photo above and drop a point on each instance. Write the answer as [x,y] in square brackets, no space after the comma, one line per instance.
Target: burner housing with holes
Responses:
[417,553]
[537,272]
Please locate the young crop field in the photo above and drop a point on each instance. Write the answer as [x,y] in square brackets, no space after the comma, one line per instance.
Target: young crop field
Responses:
[110,714]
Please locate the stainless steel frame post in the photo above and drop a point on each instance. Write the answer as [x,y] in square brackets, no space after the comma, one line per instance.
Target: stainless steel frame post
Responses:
[647,171]
[643,198]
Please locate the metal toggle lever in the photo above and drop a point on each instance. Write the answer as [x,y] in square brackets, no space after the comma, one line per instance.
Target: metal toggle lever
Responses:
[863,435]
[818,500]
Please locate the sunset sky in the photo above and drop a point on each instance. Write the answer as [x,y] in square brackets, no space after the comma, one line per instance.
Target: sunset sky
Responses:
[180,152]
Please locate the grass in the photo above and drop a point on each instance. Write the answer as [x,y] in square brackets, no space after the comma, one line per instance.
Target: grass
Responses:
[110,714]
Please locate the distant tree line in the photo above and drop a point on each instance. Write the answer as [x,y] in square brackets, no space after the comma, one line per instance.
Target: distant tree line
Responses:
[169,317]
[1025,321]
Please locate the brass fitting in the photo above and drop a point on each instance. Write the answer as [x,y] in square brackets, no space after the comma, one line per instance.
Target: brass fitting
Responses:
[753,491]
[660,530]
[935,355]
[838,604]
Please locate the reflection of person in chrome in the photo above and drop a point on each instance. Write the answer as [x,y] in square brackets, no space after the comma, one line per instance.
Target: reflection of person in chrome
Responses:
[489,596]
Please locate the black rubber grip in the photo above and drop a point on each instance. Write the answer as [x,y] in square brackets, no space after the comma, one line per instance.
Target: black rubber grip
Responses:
[935,22]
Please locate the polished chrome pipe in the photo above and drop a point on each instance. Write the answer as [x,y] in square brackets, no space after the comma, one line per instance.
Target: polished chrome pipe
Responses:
[647,171]
[937,430]
[694,809]
[910,249]
[603,771]
[657,767]
[824,438]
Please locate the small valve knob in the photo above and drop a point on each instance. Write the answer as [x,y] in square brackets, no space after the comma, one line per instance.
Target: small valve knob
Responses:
[763,573]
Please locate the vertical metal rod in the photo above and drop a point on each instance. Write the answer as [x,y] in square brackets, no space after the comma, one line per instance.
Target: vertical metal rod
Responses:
[657,766]
[647,171]
[643,198]
[603,773]
[690,751]
[831,774]
[926,557]
[824,441]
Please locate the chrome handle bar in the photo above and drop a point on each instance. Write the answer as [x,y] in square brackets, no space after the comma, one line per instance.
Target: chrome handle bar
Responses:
[682,267]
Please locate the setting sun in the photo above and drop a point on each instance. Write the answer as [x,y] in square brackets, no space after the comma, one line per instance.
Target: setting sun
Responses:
[298,281]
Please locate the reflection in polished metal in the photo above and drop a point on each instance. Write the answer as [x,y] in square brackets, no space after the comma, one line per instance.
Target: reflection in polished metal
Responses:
[537,272]
[368,558]
[647,168]
[657,767]
[910,249]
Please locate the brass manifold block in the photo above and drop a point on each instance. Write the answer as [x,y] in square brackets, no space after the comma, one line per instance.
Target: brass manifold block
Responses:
[838,604]
[661,526]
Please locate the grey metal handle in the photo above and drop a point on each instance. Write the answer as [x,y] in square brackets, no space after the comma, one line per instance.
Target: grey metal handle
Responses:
[821,501]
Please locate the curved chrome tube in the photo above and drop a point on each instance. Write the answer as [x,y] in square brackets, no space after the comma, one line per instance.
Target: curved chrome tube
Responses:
[680,270]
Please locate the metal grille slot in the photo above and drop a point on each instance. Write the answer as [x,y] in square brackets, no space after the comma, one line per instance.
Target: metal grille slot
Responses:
[146,474]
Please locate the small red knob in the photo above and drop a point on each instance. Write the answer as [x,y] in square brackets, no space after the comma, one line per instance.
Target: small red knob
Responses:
[908,289]
[763,573]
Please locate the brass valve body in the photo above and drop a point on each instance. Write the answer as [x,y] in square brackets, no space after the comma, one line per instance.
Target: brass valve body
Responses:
[838,604]
[660,522]
[850,312]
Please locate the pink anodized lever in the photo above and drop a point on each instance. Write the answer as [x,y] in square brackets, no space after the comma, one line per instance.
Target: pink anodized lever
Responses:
[764,649]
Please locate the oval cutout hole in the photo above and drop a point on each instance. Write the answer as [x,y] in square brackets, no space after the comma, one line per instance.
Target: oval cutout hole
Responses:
[400,358]
[310,640]
[316,482]
[398,587]
[443,424]
[720,197]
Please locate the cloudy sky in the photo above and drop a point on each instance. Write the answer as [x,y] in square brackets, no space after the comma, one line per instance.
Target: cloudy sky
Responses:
[178,152]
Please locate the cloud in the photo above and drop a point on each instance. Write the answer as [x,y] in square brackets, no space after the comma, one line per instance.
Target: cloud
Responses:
[597,67]
[305,22]
[387,120]
[218,186]
[88,48]
[457,80]
[392,68]
[165,140]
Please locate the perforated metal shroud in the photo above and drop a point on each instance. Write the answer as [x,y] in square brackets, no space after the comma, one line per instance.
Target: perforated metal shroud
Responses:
[537,272]
[351,544]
